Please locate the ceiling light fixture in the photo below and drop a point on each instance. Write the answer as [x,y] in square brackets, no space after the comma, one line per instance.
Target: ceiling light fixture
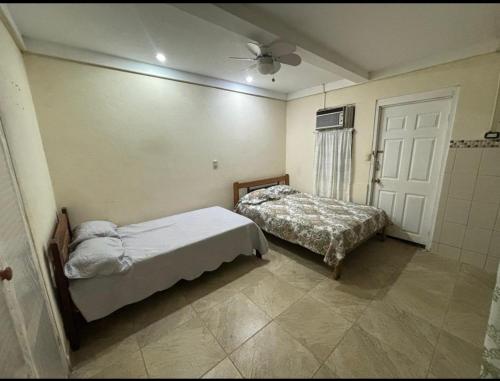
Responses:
[249,78]
[160,57]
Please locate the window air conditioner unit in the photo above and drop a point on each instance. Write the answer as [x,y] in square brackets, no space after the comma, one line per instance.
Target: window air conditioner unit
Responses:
[337,117]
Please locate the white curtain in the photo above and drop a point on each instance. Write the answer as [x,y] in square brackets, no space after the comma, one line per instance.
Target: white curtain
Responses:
[332,164]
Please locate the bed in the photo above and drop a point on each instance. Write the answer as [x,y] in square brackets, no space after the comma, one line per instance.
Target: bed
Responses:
[325,226]
[163,251]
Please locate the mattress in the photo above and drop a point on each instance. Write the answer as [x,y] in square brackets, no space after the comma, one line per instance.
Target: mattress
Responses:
[166,250]
[323,225]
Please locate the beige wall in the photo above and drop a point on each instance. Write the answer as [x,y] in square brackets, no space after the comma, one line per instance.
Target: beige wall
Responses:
[477,78]
[23,136]
[129,147]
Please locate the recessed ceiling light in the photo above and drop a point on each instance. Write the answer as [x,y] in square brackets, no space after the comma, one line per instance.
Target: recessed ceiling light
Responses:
[160,57]
[249,78]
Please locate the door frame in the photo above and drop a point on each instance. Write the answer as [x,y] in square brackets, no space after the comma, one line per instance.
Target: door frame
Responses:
[5,147]
[451,93]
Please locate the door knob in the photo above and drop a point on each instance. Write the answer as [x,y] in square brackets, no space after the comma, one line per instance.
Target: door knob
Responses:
[6,274]
[376,181]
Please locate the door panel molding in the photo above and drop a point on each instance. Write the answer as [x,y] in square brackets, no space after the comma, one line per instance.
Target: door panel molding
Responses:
[417,171]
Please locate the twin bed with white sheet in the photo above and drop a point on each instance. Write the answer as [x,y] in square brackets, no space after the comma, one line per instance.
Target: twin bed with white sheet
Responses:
[164,251]
[157,254]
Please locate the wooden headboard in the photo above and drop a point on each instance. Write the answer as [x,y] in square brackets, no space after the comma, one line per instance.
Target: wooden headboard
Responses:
[263,183]
[59,254]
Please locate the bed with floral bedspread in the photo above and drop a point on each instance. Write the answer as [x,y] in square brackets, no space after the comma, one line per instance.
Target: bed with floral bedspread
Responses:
[323,225]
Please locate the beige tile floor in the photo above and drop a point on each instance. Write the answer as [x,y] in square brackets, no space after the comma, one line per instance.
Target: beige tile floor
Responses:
[397,311]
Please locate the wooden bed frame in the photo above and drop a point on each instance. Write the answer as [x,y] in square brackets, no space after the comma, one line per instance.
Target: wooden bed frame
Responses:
[256,184]
[58,255]
[285,179]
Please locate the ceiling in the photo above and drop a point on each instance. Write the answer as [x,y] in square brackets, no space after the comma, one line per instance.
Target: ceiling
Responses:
[335,40]
[138,31]
[381,36]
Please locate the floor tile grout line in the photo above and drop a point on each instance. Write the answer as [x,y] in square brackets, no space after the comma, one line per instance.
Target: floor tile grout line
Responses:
[210,331]
[216,365]
[446,314]
[240,291]
[442,325]
[239,346]
[144,362]
[268,323]
[228,354]
[373,301]
[212,368]
[227,301]
[273,319]
[342,339]
[235,367]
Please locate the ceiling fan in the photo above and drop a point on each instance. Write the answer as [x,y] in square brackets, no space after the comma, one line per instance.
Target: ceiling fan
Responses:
[270,57]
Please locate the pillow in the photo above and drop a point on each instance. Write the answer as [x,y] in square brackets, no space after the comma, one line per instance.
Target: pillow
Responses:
[258,197]
[281,190]
[93,229]
[97,257]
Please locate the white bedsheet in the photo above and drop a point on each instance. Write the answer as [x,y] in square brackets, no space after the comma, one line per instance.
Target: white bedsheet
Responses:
[165,251]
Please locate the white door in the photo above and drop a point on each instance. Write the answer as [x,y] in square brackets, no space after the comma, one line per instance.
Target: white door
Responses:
[407,166]
[28,345]
[12,360]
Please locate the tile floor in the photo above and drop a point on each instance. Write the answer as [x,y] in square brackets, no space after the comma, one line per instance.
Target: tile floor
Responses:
[396,312]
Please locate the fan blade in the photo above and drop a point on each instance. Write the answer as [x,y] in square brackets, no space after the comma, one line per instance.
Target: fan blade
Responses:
[290,59]
[254,48]
[252,66]
[280,48]
[242,59]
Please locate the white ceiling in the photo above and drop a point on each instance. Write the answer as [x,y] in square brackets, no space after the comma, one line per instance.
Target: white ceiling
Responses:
[381,36]
[373,37]
[138,31]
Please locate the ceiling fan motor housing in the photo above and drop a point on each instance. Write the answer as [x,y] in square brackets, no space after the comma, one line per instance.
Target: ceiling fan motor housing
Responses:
[267,65]
[270,57]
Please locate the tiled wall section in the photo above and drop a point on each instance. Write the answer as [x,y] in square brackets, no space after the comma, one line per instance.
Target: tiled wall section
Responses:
[468,221]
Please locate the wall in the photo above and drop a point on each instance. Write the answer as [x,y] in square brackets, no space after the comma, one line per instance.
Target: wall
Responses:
[477,78]
[468,220]
[129,147]
[23,136]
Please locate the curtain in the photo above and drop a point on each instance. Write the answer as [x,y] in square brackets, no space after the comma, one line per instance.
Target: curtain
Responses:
[332,164]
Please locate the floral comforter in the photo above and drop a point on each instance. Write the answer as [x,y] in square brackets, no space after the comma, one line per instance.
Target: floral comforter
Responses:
[325,226]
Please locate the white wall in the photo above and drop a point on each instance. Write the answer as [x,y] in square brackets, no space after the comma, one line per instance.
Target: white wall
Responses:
[468,218]
[21,128]
[129,147]
[477,78]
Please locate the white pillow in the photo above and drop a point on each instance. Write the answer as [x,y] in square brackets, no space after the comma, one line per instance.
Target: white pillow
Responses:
[93,229]
[97,257]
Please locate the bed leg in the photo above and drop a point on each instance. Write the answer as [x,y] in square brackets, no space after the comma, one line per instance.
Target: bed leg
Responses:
[337,270]
[258,254]
[382,234]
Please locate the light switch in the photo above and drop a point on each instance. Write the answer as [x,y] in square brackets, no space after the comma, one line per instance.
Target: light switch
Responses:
[215,164]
